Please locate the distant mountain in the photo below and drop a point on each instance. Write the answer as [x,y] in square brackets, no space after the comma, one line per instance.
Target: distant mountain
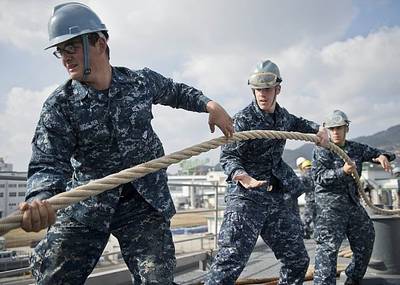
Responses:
[290,156]
[388,140]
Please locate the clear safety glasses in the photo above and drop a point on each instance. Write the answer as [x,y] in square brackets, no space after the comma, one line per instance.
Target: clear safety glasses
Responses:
[70,48]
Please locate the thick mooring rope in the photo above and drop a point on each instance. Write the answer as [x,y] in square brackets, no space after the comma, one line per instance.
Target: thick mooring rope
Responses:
[98,186]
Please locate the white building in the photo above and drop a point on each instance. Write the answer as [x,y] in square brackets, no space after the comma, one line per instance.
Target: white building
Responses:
[197,191]
[12,191]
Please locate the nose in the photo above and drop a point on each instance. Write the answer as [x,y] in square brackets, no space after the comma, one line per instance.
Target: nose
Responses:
[66,54]
[66,57]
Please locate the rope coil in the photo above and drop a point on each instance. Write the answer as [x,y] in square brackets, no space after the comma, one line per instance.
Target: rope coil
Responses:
[111,181]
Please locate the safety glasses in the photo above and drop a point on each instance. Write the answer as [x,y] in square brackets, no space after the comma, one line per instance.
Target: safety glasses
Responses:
[263,80]
[70,48]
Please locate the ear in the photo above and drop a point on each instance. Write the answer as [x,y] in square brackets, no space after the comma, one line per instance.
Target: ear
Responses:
[102,44]
[277,89]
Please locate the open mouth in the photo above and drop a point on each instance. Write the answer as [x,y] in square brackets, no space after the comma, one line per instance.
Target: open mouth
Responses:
[72,67]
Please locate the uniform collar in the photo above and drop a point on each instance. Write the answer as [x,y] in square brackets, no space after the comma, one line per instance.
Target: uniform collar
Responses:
[343,147]
[266,116]
[80,91]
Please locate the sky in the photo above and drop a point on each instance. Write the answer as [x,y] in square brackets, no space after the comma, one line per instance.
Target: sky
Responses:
[332,55]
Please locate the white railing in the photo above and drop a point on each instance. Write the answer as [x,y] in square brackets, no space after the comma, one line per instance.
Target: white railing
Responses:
[218,190]
[216,209]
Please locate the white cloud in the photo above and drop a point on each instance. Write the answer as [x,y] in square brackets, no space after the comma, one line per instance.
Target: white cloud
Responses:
[214,45]
[170,31]
[170,27]
[17,124]
[358,75]
[24,24]
[179,129]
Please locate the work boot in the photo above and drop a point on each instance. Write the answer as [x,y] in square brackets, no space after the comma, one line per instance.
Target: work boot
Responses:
[350,281]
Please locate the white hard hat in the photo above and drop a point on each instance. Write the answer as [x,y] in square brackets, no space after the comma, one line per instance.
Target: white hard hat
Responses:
[266,75]
[299,161]
[336,119]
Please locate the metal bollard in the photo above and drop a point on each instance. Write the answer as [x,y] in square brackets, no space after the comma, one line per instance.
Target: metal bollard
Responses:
[386,252]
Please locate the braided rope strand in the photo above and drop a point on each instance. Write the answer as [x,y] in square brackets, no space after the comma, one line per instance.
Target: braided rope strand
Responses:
[111,181]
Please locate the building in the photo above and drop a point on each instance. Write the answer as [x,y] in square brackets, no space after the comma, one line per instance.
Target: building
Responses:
[12,188]
[12,191]
[196,191]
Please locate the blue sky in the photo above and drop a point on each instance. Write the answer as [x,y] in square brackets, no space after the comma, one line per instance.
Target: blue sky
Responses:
[332,54]
[371,15]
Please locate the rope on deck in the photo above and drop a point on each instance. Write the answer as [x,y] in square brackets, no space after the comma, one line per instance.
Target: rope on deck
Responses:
[98,186]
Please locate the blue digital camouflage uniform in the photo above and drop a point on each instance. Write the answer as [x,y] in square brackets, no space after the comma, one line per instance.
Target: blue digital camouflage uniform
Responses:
[85,134]
[250,213]
[310,210]
[340,214]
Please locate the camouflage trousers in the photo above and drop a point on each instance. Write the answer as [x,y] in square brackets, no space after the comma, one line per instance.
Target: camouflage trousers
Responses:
[245,220]
[309,215]
[70,250]
[293,204]
[334,223]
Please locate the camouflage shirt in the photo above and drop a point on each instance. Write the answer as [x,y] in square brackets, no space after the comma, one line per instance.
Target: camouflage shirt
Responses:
[332,184]
[85,134]
[262,158]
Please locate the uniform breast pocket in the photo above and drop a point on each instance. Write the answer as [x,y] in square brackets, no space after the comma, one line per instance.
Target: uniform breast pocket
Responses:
[94,133]
[140,119]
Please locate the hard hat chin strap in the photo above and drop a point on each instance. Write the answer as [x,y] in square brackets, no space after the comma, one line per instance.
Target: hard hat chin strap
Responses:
[275,94]
[273,105]
[86,62]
